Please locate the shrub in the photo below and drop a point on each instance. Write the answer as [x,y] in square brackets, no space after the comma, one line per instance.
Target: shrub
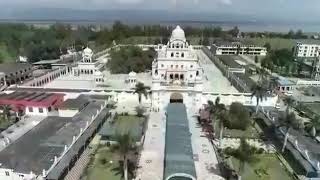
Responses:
[103,161]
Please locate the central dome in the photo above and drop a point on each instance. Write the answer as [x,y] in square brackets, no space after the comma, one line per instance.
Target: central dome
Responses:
[87,50]
[178,33]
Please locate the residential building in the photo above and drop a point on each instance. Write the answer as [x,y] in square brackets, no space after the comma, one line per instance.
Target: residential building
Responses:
[237,48]
[307,49]
[49,150]
[285,86]
[32,103]
[15,73]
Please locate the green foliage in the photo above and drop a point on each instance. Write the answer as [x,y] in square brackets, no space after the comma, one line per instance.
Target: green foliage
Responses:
[239,117]
[281,60]
[130,58]
[141,89]
[140,111]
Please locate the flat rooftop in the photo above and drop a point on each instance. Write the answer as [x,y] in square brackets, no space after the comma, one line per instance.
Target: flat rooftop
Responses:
[30,98]
[77,103]
[36,150]
[8,68]
[230,61]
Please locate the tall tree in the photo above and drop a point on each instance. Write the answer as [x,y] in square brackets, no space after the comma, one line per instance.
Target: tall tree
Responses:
[239,117]
[141,89]
[125,144]
[267,45]
[256,59]
[235,31]
[220,112]
[260,93]
[290,102]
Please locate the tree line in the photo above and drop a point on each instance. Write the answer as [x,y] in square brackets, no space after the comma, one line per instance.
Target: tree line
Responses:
[49,43]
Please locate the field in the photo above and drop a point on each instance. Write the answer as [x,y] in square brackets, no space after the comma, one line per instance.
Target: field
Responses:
[268,166]
[276,43]
[312,108]
[104,165]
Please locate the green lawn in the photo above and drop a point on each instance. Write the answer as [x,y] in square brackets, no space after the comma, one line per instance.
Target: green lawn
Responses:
[313,107]
[129,123]
[276,43]
[268,162]
[122,125]
[97,170]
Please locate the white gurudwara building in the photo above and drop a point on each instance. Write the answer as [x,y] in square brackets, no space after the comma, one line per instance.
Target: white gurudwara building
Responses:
[89,67]
[176,69]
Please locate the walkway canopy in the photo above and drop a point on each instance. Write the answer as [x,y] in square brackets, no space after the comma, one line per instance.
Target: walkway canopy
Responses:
[176,97]
[179,164]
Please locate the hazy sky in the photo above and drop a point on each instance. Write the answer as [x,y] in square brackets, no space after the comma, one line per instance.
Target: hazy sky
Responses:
[286,9]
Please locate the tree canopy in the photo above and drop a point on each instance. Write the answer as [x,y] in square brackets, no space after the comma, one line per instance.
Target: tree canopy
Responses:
[130,58]
[239,117]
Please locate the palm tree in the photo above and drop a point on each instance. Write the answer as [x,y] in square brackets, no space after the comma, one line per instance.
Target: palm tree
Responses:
[288,121]
[273,83]
[260,92]
[238,49]
[125,144]
[141,89]
[245,153]
[263,75]
[289,102]
[313,126]
[220,111]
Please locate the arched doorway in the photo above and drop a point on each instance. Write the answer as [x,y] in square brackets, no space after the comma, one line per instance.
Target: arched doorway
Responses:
[176,98]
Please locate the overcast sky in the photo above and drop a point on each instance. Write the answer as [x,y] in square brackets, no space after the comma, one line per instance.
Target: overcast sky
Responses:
[286,9]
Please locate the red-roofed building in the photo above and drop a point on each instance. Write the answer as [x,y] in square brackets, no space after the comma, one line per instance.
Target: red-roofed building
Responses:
[32,103]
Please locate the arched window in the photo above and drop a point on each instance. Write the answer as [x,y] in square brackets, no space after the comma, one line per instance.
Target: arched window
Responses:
[172,54]
[156,72]
[197,73]
[182,54]
[177,45]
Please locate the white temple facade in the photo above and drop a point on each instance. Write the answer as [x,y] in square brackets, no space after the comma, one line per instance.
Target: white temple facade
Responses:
[89,67]
[176,68]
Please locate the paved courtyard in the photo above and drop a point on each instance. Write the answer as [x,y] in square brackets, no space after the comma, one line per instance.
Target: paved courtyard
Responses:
[214,81]
[206,162]
[72,82]
[152,156]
